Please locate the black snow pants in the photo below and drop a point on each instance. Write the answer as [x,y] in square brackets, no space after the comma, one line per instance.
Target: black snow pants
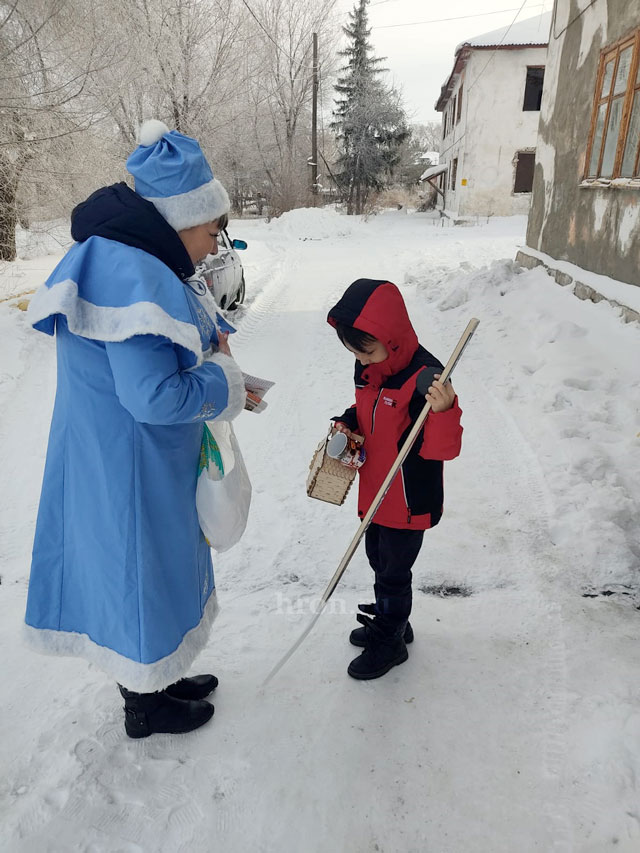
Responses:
[392,554]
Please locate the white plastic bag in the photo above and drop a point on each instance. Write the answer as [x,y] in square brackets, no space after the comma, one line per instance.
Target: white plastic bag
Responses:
[223,493]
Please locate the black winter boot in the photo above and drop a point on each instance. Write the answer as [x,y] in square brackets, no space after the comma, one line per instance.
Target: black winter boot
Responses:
[358,636]
[196,687]
[155,713]
[384,649]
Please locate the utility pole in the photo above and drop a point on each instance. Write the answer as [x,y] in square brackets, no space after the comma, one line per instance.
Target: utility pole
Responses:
[314,122]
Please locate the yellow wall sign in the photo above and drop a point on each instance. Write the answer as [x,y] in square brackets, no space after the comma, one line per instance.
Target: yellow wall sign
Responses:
[464,182]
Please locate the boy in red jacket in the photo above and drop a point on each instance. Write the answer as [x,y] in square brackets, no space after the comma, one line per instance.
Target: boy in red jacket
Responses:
[372,322]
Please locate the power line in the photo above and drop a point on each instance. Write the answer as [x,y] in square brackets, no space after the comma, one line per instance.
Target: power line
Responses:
[508,30]
[493,53]
[271,38]
[459,18]
[266,31]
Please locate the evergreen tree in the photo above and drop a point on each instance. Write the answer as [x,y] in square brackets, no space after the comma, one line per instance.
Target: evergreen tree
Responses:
[369,118]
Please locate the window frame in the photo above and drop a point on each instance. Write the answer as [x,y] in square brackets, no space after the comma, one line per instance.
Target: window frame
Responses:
[459,112]
[528,152]
[542,68]
[454,174]
[632,90]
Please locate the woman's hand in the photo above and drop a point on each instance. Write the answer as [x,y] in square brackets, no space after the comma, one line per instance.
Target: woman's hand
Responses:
[223,343]
[440,396]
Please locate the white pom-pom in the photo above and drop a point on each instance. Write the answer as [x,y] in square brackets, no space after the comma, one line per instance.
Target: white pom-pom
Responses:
[151,131]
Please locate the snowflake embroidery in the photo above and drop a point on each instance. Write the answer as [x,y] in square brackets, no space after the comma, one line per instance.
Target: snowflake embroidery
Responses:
[206,412]
[205,322]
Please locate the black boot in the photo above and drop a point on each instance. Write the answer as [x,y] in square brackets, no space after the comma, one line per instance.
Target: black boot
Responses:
[196,687]
[384,649]
[155,713]
[358,635]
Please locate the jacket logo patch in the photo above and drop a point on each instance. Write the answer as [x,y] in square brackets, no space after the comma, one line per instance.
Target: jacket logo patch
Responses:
[389,401]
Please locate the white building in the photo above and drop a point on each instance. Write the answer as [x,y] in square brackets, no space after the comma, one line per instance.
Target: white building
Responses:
[430,158]
[491,106]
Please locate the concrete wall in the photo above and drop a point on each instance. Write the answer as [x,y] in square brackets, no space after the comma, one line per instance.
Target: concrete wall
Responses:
[492,129]
[596,227]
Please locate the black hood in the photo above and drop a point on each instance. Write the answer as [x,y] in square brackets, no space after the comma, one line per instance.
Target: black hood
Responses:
[118,213]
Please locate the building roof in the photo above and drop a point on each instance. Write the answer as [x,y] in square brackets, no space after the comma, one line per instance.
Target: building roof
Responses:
[432,171]
[532,32]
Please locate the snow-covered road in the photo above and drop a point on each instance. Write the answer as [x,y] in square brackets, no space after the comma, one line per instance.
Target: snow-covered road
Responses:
[515,724]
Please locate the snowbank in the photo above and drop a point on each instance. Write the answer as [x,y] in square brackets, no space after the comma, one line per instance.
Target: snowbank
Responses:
[43,238]
[566,371]
[39,249]
[311,223]
[617,292]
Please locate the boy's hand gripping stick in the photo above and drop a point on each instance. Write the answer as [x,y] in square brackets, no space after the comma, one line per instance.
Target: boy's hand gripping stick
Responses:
[424,380]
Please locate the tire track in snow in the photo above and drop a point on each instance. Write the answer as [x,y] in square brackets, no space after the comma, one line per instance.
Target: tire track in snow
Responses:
[263,304]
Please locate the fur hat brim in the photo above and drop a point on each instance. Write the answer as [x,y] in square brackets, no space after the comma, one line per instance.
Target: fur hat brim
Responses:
[204,204]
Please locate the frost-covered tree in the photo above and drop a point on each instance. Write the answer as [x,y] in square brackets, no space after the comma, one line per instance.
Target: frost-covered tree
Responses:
[427,136]
[181,62]
[77,79]
[369,118]
[423,139]
[281,90]
[49,54]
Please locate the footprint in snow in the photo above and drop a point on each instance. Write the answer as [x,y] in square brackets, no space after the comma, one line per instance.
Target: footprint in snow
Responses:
[580,384]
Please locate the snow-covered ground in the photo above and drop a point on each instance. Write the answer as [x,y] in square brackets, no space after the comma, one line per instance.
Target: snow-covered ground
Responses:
[515,724]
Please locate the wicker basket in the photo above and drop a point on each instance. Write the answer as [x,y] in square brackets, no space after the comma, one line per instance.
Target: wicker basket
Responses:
[329,480]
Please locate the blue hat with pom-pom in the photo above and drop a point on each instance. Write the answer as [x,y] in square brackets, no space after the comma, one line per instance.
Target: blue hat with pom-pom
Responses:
[172,173]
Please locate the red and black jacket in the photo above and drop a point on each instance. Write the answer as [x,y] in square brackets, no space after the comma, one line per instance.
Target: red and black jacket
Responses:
[387,405]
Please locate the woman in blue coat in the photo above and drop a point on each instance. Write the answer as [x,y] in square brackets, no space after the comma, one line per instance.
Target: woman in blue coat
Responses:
[121,572]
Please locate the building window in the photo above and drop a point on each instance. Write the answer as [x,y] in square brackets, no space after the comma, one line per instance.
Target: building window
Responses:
[614,140]
[533,89]
[525,164]
[459,104]
[454,175]
[444,127]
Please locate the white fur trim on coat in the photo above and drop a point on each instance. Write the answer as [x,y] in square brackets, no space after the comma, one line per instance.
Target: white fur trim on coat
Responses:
[110,324]
[204,204]
[235,381]
[139,677]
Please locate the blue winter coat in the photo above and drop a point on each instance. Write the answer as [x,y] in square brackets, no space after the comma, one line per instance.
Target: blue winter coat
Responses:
[121,573]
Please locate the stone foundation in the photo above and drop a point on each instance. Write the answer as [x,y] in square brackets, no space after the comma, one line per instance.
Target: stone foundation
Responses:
[581,290]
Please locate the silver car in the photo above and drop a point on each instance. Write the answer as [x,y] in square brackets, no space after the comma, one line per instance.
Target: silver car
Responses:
[223,272]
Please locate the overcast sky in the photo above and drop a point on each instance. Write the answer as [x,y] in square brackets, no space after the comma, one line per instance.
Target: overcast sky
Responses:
[420,55]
